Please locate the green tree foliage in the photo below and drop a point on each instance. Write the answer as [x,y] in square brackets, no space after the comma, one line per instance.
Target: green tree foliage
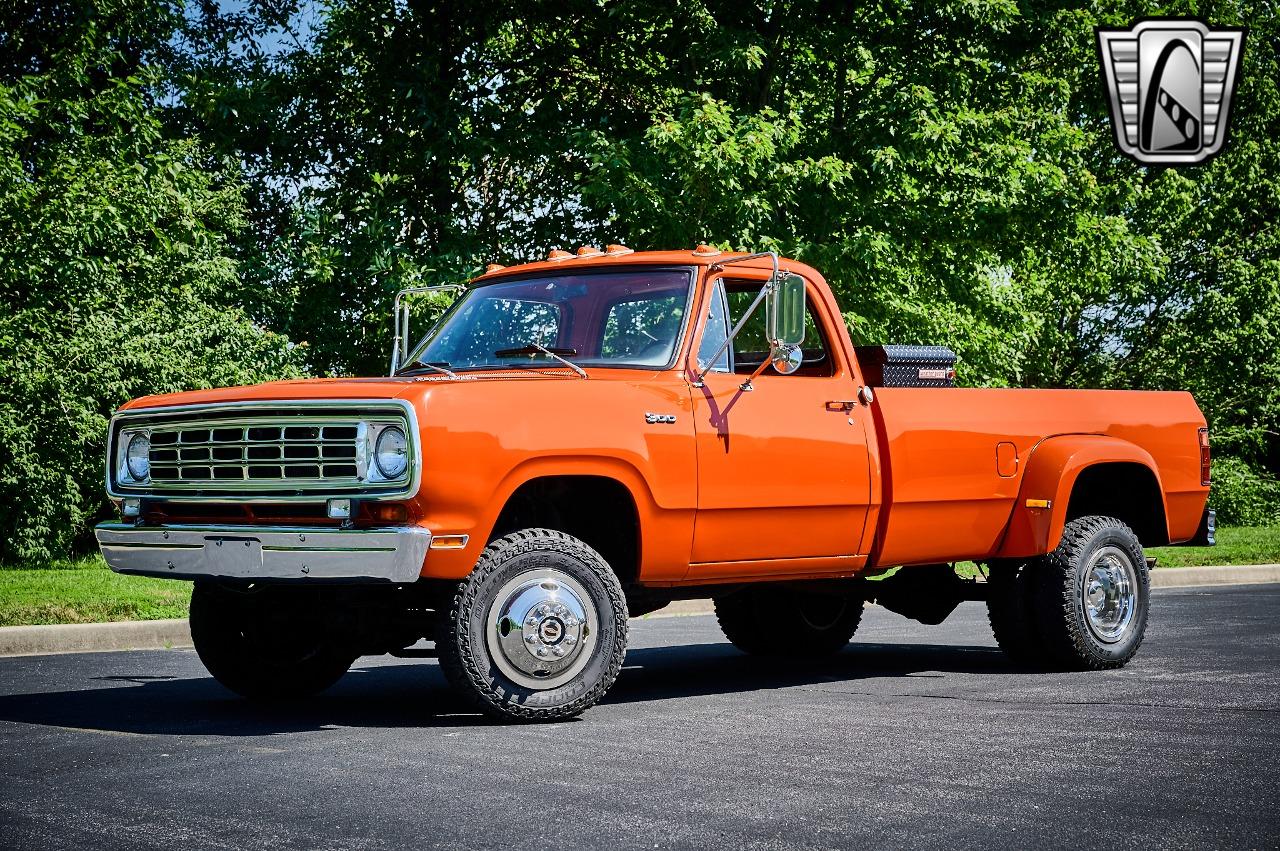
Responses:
[1243,496]
[115,269]
[1199,308]
[949,167]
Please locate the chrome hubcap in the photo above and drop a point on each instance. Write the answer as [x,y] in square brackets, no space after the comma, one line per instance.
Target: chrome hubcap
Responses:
[1109,592]
[541,629]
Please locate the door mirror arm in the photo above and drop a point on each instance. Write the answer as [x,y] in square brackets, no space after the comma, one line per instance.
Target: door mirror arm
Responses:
[785,305]
[400,319]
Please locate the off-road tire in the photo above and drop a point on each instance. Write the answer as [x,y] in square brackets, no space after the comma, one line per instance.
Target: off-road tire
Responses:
[1009,609]
[461,638]
[1058,601]
[263,645]
[781,621]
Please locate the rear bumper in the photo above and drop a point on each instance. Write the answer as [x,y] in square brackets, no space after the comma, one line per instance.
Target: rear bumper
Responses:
[303,554]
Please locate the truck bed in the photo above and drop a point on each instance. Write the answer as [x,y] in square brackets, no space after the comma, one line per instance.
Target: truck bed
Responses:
[944,497]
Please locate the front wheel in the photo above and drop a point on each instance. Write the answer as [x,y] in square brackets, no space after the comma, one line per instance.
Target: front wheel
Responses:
[1091,595]
[538,631]
[265,643]
[782,621]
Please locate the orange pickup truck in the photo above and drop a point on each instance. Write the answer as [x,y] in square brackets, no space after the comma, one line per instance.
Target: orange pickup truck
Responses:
[587,438]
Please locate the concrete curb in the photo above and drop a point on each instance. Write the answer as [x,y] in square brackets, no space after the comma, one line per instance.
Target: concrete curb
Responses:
[160,635]
[1190,577]
[92,637]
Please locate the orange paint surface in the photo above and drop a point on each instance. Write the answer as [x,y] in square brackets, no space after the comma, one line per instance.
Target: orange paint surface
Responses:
[775,481]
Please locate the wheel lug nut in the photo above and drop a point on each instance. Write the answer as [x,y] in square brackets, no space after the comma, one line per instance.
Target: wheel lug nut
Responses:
[531,639]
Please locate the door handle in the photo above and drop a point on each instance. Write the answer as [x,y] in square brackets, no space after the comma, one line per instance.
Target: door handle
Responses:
[845,406]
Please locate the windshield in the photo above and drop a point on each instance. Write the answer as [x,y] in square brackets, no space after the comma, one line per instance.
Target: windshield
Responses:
[632,318]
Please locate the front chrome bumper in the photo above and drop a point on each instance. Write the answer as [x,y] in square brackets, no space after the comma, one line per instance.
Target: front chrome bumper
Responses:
[265,552]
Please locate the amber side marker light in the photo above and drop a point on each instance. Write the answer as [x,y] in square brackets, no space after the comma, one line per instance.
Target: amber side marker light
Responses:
[449,542]
[1204,457]
[1039,503]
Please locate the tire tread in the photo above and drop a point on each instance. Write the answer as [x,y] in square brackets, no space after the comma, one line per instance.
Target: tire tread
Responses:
[1056,596]
[459,663]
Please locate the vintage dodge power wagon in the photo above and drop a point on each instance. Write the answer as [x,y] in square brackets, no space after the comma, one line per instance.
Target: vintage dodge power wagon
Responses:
[586,438]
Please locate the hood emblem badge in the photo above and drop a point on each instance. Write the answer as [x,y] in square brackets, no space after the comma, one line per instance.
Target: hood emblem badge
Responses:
[655,419]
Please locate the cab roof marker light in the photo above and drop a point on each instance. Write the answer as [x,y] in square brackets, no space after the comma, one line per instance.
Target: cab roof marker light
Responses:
[617,250]
[706,251]
[590,251]
[493,267]
[555,255]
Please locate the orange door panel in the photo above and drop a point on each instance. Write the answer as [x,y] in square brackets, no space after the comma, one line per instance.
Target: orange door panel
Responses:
[779,475]
[784,468]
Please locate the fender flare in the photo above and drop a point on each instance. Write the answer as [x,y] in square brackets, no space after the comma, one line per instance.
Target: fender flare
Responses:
[554,466]
[1054,465]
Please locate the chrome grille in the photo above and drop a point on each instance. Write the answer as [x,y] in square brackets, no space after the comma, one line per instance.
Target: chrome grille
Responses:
[261,452]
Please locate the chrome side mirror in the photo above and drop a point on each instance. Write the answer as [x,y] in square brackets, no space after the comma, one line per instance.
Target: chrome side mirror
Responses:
[786,359]
[785,327]
[785,312]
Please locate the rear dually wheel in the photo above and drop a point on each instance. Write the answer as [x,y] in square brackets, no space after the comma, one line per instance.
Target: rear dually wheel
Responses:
[1090,596]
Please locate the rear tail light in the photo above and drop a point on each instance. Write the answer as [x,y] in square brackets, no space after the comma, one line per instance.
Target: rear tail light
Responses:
[1204,456]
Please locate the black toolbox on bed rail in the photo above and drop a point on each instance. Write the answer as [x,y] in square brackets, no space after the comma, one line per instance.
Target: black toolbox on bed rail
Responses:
[907,366]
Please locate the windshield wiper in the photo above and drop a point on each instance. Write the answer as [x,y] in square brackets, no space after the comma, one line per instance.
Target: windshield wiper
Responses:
[535,348]
[441,367]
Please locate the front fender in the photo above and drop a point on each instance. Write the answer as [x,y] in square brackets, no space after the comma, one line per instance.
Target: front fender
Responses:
[665,534]
[1052,470]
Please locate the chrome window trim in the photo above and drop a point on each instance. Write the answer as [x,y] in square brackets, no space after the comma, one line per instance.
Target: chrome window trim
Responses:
[169,493]
[682,334]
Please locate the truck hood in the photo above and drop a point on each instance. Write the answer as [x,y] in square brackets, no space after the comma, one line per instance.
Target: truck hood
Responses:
[340,388]
[283,391]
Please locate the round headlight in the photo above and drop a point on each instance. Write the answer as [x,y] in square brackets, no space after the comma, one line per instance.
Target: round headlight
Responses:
[390,453]
[137,457]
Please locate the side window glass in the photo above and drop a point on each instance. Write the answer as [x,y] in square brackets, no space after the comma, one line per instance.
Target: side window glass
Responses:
[751,346]
[716,333]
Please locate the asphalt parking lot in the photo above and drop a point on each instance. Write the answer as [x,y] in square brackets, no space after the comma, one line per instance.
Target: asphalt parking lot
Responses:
[915,736]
